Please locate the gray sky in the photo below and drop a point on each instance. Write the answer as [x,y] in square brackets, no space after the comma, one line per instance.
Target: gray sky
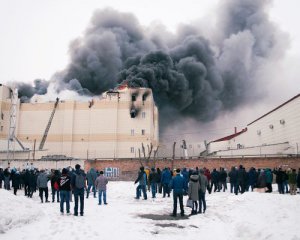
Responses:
[35,37]
[35,34]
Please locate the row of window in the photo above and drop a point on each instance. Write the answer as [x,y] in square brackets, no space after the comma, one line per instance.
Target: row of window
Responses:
[132,132]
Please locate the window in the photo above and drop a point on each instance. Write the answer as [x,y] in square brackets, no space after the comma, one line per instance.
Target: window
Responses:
[133,98]
[143,131]
[132,149]
[143,114]
[132,132]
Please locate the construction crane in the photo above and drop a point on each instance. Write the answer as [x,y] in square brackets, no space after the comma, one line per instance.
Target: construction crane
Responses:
[48,125]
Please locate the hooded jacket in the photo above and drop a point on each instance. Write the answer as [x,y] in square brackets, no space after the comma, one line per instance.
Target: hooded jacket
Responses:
[194,187]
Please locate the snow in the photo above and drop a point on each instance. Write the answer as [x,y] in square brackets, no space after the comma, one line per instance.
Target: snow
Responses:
[252,215]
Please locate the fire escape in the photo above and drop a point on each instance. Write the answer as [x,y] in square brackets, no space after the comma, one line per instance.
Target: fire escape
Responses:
[48,125]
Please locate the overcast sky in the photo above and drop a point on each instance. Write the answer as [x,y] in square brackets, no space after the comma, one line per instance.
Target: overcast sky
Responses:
[35,36]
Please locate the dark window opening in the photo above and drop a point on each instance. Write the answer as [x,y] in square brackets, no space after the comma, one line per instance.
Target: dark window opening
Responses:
[132,113]
[133,98]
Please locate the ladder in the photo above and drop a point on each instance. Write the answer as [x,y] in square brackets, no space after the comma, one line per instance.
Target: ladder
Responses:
[48,125]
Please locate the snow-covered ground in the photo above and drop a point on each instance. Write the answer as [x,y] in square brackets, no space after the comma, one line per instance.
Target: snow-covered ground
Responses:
[249,216]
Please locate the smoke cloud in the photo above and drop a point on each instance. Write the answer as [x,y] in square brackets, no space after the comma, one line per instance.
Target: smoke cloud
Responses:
[191,75]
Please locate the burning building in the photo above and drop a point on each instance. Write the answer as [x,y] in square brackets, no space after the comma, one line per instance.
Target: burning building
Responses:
[121,123]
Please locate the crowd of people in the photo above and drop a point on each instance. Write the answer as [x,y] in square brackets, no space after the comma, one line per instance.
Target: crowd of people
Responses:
[64,185]
[196,182]
[193,183]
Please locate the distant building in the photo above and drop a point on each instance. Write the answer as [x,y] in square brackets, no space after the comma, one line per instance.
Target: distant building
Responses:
[275,133]
[118,124]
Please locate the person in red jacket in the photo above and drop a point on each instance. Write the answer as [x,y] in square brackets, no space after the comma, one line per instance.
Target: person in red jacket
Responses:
[208,176]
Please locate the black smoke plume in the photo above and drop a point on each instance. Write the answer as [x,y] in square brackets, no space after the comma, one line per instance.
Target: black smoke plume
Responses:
[26,90]
[190,74]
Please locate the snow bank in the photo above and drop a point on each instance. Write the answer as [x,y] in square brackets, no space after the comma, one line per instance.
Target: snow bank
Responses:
[16,211]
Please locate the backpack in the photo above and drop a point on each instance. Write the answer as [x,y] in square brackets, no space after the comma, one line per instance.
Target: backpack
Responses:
[79,181]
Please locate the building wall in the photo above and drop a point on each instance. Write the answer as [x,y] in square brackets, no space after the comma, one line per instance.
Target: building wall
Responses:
[128,169]
[275,133]
[102,129]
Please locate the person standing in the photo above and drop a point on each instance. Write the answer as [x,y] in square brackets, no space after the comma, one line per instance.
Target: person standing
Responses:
[269,180]
[42,184]
[178,186]
[6,178]
[100,184]
[142,180]
[165,181]
[203,186]
[78,183]
[292,180]
[64,191]
[91,178]
[153,182]
[15,180]
[55,185]
[193,191]
[1,177]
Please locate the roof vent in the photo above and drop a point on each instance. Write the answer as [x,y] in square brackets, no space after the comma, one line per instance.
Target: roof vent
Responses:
[282,121]
[271,126]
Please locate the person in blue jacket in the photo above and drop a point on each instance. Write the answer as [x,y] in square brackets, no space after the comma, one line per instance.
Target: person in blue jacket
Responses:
[178,186]
[166,177]
[142,180]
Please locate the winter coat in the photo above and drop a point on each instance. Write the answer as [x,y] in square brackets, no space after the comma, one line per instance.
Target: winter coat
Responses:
[215,176]
[26,177]
[292,177]
[142,178]
[91,176]
[298,179]
[279,176]
[153,177]
[185,175]
[207,174]
[252,176]
[166,176]
[101,183]
[203,182]
[233,175]
[269,176]
[55,178]
[261,180]
[194,187]
[16,180]
[42,180]
[32,180]
[242,176]
[65,183]
[177,184]
[222,176]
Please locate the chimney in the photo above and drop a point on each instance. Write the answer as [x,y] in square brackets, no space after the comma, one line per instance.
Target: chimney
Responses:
[235,130]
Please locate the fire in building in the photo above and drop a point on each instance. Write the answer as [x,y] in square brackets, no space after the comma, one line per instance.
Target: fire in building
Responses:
[121,123]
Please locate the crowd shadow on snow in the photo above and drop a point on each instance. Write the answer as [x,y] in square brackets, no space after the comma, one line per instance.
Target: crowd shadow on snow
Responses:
[159,217]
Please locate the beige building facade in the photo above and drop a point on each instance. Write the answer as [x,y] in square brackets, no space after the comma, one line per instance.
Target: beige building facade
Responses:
[122,123]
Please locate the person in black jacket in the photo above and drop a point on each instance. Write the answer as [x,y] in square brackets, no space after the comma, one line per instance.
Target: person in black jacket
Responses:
[242,178]
[215,180]
[1,177]
[298,179]
[54,185]
[153,182]
[64,190]
[279,179]
[15,179]
[233,181]
[223,179]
